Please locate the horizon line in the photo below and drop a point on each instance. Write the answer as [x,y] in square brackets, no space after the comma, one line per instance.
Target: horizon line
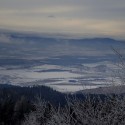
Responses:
[60,35]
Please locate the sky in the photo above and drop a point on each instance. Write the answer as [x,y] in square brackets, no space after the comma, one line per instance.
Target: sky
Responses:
[91,18]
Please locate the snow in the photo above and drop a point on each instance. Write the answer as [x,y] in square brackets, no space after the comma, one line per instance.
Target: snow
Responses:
[71,88]
[60,80]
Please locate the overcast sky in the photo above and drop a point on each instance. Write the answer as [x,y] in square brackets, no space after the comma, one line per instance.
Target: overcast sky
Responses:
[84,17]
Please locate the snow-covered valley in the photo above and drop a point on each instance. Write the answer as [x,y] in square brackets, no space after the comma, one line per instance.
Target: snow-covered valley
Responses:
[60,78]
[66,65]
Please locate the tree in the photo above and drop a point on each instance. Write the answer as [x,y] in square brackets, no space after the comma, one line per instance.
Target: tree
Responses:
[121,66]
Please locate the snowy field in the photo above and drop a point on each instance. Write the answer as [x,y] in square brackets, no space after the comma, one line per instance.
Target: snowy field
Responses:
[60,78]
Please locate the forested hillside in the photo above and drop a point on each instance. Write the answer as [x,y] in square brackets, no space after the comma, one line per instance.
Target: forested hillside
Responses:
[16,101]
[40,105]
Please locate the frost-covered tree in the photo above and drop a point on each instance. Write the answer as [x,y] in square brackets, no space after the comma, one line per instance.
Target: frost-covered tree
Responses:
[43,112]
[91,111]
[121,66]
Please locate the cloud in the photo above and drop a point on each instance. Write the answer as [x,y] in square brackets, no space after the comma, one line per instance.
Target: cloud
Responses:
[51,16]
[97,17]
[39,10]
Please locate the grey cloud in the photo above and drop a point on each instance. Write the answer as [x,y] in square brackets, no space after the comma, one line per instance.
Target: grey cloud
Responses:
[52,16]
[85,15]
[87,8]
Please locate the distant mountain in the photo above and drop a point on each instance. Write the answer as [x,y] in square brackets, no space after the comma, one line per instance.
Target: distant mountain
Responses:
[32,46]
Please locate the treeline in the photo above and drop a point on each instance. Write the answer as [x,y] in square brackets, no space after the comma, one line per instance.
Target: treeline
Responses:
[15,101]
[30,93]
[40,105]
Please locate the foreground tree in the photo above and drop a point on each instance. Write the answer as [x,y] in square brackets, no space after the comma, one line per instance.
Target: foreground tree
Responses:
[91,111]
[121,66]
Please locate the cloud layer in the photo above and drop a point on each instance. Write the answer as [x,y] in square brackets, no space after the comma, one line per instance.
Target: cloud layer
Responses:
[84,17]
